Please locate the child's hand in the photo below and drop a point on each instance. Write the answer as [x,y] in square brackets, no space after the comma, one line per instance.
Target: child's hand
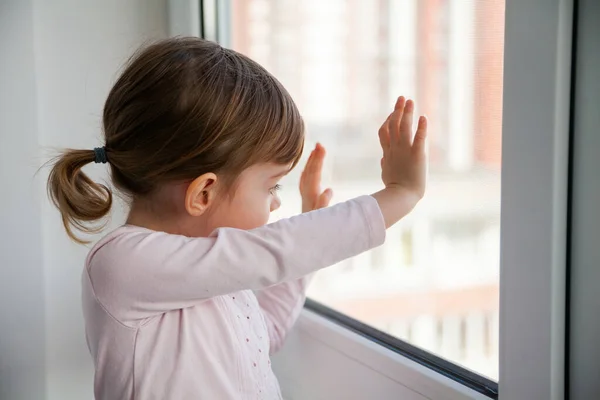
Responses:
[404,164]
[310,182]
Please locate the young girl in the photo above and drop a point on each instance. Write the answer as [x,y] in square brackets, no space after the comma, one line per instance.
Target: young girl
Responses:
[189,298]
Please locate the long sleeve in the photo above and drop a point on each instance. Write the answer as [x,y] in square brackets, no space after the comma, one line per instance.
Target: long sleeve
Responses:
[281,305]
[137,273]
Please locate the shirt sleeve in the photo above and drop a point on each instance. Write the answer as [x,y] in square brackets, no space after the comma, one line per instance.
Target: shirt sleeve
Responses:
[142,273]
[281,305]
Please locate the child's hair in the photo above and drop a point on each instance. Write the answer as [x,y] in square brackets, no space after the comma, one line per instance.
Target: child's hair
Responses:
[181,108]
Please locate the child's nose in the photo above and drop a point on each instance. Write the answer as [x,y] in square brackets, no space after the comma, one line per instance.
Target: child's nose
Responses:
[275,203]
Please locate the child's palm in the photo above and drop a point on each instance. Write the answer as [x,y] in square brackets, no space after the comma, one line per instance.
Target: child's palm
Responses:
[404,163]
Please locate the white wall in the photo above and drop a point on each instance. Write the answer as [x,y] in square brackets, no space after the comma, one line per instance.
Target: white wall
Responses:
[58,59]
[21,278]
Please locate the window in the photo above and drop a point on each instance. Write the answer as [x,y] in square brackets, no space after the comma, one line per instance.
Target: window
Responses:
[435,281]
[538,42]
[406,243]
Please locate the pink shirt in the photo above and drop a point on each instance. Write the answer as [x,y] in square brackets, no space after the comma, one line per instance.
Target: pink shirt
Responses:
[172,317]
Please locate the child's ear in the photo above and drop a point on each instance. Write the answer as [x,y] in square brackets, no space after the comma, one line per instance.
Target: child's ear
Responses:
[200,194]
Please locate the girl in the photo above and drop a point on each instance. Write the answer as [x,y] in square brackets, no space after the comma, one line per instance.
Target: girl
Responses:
[189,298]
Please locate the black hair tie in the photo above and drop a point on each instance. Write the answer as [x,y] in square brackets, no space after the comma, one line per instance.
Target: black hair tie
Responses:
[100,153]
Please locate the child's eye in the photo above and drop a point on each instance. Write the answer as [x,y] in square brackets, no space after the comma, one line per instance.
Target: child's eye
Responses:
[275,189]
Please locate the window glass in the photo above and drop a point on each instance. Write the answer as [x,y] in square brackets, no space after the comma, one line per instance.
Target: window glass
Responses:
[435,281]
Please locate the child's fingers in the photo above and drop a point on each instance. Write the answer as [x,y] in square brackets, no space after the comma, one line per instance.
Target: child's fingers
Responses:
[324,199]
[395,118]
[407,121]
[421,135]
[399,102]
[317,164]
[384,135]
[311,176]
[305,170]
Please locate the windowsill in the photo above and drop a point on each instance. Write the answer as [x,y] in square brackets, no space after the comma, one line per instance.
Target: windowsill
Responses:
[322,357]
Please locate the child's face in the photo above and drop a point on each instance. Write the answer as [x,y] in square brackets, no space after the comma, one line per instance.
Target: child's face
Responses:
[253,198]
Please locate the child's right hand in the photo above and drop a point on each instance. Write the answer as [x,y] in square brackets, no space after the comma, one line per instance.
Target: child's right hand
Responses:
[404,164]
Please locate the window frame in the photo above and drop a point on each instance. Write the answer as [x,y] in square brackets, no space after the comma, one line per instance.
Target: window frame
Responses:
[448,369]
[584,252]
[323,359]
[533,235]
[534,219]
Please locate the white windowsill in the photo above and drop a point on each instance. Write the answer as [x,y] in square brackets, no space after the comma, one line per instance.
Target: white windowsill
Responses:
[322,360]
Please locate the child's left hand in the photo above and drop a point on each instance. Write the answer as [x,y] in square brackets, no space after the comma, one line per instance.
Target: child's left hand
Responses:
[310,182]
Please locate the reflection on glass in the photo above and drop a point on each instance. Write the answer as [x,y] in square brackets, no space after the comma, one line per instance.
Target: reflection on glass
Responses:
[435,281]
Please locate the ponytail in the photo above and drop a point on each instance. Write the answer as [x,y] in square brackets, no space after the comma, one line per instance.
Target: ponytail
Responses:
[80,200]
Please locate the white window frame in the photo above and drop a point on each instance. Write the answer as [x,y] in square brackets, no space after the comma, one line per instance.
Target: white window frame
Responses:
[324,360]
[533,236]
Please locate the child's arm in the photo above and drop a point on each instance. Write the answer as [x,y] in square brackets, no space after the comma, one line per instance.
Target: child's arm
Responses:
[281,305]
[145,273]
[140,274]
